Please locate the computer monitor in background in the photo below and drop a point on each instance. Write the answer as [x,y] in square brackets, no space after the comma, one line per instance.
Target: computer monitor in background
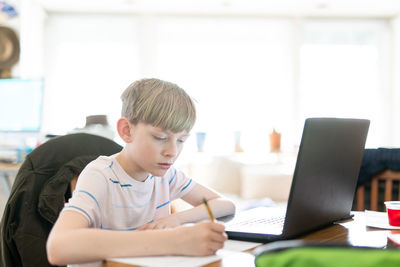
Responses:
[21,105]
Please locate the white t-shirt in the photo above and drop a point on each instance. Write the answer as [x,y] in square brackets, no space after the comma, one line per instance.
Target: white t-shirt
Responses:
[110,199]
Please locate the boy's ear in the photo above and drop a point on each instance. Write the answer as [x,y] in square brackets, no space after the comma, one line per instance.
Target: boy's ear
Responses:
[124,129]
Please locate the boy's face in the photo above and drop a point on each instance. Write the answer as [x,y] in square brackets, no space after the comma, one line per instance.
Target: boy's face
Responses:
[153,150]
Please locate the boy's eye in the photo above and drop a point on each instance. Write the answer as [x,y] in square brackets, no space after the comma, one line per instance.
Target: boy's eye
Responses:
[181,140]
[159,138]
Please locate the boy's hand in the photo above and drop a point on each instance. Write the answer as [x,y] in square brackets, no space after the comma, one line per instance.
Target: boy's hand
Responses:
[201,239]
[167,222]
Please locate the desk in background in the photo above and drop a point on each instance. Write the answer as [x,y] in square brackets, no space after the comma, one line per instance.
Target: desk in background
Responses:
[352,232]
[6,171]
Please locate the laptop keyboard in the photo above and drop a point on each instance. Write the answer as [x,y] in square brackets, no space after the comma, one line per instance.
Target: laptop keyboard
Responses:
[277,221]
[262,220]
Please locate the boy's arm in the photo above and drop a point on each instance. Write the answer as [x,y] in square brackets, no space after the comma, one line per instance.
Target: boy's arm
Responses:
[219,206]
[71,241]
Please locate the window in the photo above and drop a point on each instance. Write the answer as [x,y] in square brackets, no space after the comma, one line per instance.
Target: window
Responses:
[238,70]
[246,74]
[90,60]
[342,73]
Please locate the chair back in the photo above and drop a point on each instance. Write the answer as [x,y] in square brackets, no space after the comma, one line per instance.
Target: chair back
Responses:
[40,189]
[388,178]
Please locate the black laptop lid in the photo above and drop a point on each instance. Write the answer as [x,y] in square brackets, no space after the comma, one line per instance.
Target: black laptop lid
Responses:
[326,172]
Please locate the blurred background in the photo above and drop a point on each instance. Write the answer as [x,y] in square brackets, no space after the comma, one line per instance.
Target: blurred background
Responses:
[254,67]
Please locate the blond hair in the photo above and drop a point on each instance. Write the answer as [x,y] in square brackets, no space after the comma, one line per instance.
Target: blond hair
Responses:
[159,103]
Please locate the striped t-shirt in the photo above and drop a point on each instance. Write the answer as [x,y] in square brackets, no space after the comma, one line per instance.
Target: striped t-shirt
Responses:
[110,199]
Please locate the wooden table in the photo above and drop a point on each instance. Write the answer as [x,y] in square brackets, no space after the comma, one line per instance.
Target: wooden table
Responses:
[353,232]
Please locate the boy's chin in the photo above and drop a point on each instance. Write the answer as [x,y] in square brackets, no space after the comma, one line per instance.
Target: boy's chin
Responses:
[159,172]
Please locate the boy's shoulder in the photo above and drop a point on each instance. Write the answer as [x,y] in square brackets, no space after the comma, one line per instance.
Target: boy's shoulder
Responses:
[101,163]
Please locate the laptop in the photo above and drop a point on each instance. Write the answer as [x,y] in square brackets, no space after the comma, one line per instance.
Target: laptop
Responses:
[323,185]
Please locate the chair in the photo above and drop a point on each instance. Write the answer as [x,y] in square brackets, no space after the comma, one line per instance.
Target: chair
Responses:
[388,177]
[40,189]
[378,179]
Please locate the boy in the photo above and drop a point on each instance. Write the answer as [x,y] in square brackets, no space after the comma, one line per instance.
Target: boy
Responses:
[121,204]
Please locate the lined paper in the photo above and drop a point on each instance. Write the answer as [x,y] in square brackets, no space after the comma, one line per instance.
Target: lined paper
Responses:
[230,247]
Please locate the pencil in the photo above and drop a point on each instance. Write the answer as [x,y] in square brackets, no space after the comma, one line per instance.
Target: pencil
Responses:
[208,209]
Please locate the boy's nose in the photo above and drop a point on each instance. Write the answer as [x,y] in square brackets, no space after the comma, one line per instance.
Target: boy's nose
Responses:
[171,149]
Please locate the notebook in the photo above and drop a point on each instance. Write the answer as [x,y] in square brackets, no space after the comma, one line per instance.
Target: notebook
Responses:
[323,185]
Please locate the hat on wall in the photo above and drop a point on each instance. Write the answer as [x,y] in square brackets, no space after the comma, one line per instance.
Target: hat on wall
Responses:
[9,48]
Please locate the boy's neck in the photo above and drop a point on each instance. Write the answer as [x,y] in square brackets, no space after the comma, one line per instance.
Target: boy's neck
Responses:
[128,167]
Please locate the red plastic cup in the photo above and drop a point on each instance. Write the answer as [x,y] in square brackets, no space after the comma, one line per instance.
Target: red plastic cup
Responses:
[393,210]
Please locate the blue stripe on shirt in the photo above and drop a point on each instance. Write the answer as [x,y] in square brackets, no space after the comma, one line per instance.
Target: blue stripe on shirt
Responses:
[129,207]
[117,182]
[162,205]
[128,229]
[173,177]
[190,181]
[90,195]
[75,207]
[95,200]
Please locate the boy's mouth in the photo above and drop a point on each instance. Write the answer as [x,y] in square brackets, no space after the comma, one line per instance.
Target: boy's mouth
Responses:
[164,166]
